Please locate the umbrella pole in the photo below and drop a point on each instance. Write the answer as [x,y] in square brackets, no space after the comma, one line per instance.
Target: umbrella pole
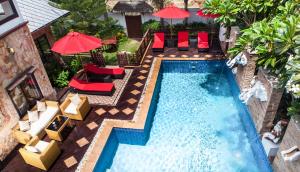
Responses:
[171,29]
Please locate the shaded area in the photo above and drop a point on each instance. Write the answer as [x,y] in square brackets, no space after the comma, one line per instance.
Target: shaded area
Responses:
[214,85]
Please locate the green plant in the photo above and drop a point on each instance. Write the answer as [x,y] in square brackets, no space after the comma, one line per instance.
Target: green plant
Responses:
[53,68]
[294,109]
[87,16]
[110,58]
[109,28]
[63,79]
[75,65]
[151,24]
[276,41]
[273,40]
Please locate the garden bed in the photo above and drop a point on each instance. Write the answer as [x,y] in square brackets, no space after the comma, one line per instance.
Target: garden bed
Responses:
[125,44]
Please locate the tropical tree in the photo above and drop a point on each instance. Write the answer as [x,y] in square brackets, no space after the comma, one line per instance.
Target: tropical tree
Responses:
[86,16]
[242,13]
[276,41]
[273,40]
[159,4]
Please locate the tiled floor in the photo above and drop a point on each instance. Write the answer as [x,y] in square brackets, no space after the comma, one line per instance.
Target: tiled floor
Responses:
[77,142]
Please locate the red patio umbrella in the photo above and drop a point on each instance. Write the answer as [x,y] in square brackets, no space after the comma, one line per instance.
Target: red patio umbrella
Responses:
[207,15]
[172,12]
[75,42]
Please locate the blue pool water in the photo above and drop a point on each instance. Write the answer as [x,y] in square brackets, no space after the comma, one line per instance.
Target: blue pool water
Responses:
[195,123]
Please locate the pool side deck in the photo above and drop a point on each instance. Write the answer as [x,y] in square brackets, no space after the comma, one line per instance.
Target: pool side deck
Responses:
[130,112]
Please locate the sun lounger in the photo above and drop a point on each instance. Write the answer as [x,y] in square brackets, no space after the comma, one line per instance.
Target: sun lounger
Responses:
[183,41]
[159,42]
[85,87]
[115,73]
[203,41]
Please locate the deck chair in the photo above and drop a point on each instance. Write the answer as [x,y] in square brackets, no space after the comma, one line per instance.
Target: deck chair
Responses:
[159,42]
[183,40]
[203,45]
[115,73]
[81,86]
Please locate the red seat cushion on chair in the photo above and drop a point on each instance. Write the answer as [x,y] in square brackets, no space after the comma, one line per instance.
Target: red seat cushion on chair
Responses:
[203,45]
[203,40]
[87,86]
[183,39]
[159,40]
[103,71]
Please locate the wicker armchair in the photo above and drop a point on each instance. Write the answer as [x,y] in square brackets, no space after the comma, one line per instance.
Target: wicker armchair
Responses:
[81,110]
[43,159]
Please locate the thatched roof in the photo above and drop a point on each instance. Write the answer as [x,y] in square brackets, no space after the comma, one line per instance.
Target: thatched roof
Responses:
[132,7]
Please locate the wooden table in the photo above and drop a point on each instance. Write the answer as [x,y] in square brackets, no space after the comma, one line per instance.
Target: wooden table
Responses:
[59,128]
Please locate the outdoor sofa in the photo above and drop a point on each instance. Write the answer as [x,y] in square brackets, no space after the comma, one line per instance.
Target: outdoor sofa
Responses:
[37,127]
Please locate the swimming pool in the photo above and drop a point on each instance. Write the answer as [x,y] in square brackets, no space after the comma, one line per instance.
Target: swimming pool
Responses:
[195,123]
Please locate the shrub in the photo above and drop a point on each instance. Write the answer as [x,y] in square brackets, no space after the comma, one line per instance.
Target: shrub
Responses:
[75,65]
[151,24]
[63,79]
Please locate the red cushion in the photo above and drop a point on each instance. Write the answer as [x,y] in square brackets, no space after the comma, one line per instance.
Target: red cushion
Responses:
[183,44]
[87,86]
[203,39]
[203,45]
[183,39]
[159,40]
[103,71]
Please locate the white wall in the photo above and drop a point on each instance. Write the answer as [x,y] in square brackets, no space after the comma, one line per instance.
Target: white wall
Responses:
[12,23]
[146,17]
[120,18]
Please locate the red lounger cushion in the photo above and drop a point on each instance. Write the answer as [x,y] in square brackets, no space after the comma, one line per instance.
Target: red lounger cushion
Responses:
[203,40]
[183,39]
[103,71]
[159,40]
[87,86]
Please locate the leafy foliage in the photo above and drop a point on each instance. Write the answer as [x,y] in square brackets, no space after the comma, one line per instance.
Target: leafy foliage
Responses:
[62,79]
[75,65]
[242,13]
[159,4]
[276,41]
[151,24]
[87,16]
[273,40]
[294,109]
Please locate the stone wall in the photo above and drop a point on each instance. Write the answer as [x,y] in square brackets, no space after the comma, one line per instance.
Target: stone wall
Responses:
[245,73]
[12,64]
[263,113]
[290,139]
[44,31]
[234,33]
